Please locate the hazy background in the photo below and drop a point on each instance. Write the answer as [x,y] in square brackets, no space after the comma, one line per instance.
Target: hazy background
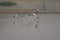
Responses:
[50,5]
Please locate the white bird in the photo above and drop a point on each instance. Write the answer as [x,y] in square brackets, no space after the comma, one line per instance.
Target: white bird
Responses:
[14,19]
[16,16]
[34,15]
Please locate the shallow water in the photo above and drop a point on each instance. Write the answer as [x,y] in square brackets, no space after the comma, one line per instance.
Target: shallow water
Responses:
[48,27]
